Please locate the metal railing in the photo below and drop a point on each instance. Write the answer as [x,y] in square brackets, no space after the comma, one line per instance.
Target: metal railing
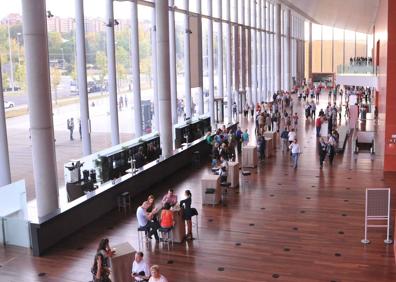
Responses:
[356,69]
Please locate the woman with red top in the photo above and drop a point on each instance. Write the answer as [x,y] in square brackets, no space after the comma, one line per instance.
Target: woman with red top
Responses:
[166,220]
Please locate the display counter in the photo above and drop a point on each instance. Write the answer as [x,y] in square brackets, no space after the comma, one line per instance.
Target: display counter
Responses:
[49,230]
[70,217]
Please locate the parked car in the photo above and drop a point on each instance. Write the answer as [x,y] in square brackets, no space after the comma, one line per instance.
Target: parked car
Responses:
[8,89]
[9,104]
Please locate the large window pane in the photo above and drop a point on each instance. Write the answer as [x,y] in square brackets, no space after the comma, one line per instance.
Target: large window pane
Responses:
[316,48]
[327,49]
[338,49]
[349,46]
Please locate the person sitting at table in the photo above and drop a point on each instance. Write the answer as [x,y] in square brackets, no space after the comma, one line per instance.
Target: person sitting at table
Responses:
[151,204]
[188,212]
[169,198]
[146,222]
[140,269]
[166,219]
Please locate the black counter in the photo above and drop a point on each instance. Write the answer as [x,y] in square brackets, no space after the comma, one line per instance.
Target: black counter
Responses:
[51,229]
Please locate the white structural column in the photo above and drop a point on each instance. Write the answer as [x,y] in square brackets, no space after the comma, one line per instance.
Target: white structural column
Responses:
[5,172]
[187,72]
[210,64]
[200,88]
[82,78]
[278,51]
[310,49]
[220,90]
[264,52]
[248,82]
[137,106]
[154,70]
[288,49]
[229,63]
[273,50]
[268,51]
[254,53]
[40,108]
[237,55]
[259,56]
[164,91]
[111,66]
[172,57]
[243,52]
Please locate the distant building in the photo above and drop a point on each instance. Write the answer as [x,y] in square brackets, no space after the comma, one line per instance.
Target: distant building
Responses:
[13,19]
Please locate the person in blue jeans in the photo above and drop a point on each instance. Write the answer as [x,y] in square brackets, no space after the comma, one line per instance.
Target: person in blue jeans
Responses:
[295,151]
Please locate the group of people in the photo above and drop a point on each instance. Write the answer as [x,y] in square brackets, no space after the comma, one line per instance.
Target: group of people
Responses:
[360,61]
[140,270]
[122,102]
[151,218]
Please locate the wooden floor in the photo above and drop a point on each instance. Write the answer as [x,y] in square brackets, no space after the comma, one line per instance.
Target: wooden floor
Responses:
[281,224]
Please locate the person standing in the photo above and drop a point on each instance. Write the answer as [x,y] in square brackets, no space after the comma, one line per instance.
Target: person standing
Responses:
[101,266]
[331,148]
[284,140]
[140,269]
[295,121]
[238,138]
[234,110]
[261,145]
[322,151]
[188,213]
[79,128]
[70,126]
[245,137]
[318,125]
[313,110]
[295,151]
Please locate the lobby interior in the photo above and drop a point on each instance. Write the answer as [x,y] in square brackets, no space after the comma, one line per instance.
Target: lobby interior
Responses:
[279,223]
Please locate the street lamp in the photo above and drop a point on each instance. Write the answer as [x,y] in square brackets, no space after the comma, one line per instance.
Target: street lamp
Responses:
[10,53]
[63,59]
[19,47]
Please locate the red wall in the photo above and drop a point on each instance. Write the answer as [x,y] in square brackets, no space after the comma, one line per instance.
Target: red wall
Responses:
[385,31]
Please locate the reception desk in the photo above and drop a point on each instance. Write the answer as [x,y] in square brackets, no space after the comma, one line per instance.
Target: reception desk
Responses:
[249,156]
[233,174]
[211,181]
[271,135]
[179,230]
[121,262]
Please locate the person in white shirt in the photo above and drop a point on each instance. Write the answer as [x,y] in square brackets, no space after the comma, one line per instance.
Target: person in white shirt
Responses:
[140,269]
[295,151]
[156,276]
[292,136]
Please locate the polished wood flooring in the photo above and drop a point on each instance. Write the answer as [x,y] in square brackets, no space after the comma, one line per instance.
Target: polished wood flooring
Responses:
[281,224]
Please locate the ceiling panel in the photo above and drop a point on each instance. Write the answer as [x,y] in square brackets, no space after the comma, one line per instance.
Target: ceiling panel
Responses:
[356,15]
